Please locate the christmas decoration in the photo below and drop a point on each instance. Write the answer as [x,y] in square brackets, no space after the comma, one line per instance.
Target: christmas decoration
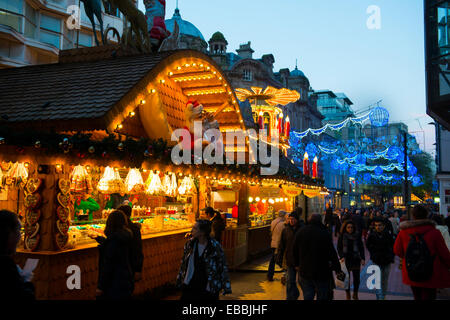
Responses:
[80,181]
[134,181]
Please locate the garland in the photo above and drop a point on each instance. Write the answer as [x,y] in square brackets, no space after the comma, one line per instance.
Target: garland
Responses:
[135,152]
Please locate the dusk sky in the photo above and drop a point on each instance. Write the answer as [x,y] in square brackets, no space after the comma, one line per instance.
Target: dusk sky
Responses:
[334,47]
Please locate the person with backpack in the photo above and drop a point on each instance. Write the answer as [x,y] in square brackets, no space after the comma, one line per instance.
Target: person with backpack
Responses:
[425,256]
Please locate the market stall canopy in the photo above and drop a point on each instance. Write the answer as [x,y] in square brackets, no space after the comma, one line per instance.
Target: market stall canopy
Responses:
[117,90]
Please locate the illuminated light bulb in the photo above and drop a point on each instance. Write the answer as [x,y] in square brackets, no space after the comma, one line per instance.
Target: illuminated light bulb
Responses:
[162,81]
[208,68]
[119,126]
[263,200]
[187,65]
[220,78]
[250,199]
[194,64]
[285,199]
[201,65]
[225,85]
[170,73]
[153,91]
[257,199]
[132,114]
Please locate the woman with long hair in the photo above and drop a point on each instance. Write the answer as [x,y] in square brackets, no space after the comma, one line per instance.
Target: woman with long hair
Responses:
[351,251]
[115,279]
[203,272]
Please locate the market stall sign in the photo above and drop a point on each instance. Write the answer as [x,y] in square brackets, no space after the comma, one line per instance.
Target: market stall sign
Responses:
[266,192]
[291,191]
[311,193]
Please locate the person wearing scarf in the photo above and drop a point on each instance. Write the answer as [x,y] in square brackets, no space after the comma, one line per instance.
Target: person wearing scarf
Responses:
[351,251]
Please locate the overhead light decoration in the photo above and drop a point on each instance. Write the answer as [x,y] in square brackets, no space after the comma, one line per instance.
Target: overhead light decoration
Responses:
[271,95]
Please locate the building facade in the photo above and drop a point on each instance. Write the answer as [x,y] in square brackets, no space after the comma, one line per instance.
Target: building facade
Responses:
[33,32]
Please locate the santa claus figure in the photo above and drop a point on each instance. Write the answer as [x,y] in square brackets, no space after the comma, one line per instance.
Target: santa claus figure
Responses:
[194,113]
[155,12]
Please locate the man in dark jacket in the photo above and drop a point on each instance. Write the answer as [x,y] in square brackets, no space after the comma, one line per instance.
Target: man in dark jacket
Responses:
[358,221]
[380,244]
[285,252]
[136,252]
[315,258]
[329,218]
[218,225]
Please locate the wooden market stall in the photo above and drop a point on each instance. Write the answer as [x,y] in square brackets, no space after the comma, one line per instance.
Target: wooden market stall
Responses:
[80,137]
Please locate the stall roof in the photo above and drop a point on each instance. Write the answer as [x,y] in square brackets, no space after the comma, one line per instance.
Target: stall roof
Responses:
[89,88]
[70,91]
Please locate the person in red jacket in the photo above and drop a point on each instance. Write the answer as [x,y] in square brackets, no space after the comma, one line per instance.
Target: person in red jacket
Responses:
[440,278]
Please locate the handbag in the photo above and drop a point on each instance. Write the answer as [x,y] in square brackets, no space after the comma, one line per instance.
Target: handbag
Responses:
[343,281]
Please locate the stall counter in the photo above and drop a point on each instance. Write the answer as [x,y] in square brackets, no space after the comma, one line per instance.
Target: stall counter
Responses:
[53,275]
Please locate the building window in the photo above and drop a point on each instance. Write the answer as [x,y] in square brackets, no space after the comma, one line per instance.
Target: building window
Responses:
[247,76]
[85,39]
[111,10]
[11,14]
[30,21]
[50,30]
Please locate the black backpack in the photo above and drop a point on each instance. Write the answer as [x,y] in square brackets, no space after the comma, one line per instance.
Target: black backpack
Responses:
[418,259]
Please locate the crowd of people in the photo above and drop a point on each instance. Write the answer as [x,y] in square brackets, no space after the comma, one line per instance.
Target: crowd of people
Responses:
[309,255]
[314,261]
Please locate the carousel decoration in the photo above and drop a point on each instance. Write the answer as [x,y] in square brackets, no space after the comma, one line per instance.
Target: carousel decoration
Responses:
[267,112]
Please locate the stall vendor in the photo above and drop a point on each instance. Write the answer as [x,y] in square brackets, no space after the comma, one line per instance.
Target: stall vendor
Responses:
[86,205]
[115,200]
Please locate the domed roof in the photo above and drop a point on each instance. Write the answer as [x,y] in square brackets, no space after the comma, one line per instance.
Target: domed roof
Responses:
[297,73]
[186,27]
[218,36]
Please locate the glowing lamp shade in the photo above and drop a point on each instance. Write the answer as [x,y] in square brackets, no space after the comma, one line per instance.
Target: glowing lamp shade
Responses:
[134,181]
[170,185]
[104,183]
[153,184]
[187,186]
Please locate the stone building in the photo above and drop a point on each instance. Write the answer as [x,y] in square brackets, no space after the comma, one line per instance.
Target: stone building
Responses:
[190,37]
